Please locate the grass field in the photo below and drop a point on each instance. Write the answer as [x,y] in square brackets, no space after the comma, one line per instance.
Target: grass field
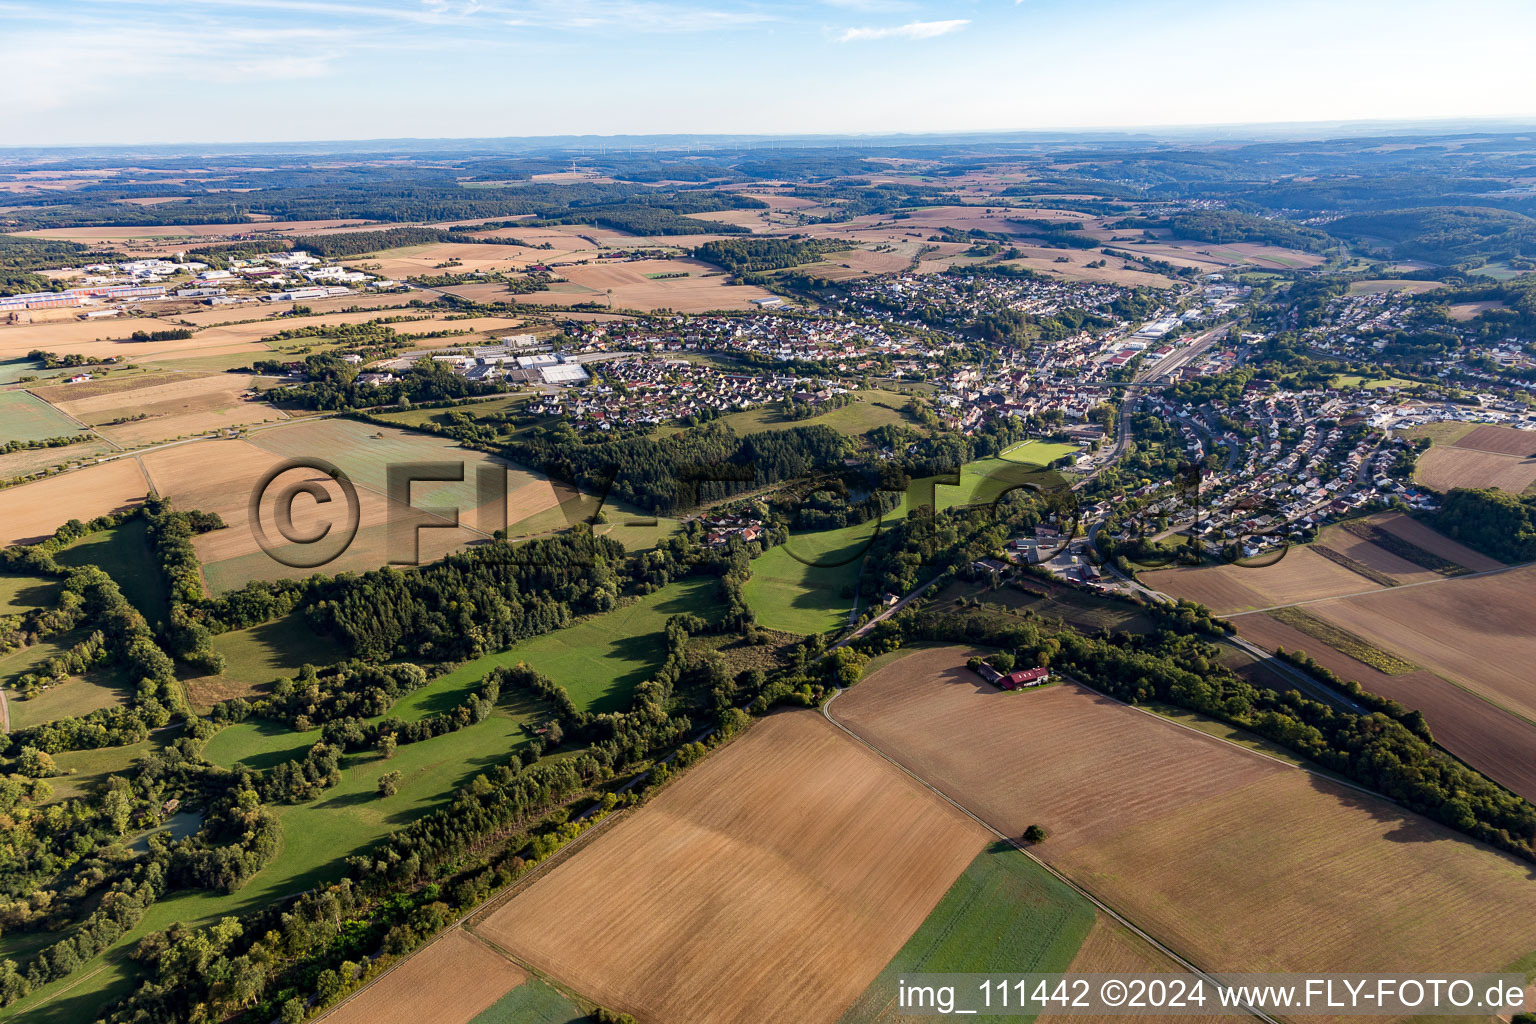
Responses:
[78,695]
[873,408]
[532,1002]
[123,553]
[257,656]
[1340,639]
[601,659]
[1355,380]
[20,594]
[813,593]
[1239,862]
[1004,913]
[25,417]
[787,869]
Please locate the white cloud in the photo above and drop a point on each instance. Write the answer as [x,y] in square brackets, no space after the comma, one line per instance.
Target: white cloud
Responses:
[911,30]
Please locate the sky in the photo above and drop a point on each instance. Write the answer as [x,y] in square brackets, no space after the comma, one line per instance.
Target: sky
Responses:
[97,72]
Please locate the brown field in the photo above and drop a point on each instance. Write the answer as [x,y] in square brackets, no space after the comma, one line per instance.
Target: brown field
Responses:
[423,260]
[32,511]
[1432,540]
[119,233]
[1111,949]
[1237,861]
[1468,310]
[1475,631]
[791,865]
[632,289]
[1444,467]
[1380,286]
[1363,551]
[110,339]
[1496,743]
[449,982]
[1302,575]
[1504,440]
[35,460]
[255,331]
[175,405]
[365,300]
[217,476]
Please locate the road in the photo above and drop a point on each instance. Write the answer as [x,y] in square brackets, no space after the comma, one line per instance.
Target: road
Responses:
[1104,908]
[892,610]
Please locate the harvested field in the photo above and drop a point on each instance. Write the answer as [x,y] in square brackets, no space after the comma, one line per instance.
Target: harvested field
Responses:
[790,866]
[178,405]
[1374,557]
[217,476]
[33,511]
[1302,575]
[25,417]
[1443,468]
[110,339]
[1496,743]
[704,288]
[1344,641]
[1239,862]
[1435,542]
[1504,440]
[1111,949]
[1475,631]
[449,982]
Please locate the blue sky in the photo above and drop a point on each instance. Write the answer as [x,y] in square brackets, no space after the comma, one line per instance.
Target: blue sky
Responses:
[140,71]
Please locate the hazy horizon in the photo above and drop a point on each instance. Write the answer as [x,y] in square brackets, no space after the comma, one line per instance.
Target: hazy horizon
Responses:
[139,72]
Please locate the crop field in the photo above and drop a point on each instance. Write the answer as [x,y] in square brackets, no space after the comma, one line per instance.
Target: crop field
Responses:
[1375,558]
[449,982]
[754,868]
[1344,641]
[180,406]
[33,511]
[532,1002]
[1474,631]
[219,479]
[1436,543]
[1502,440]
[1004,913]
[37,460]
[631,287]
[1302,575]
[1446,466]
[1496,743]
[24,417]
[1380,286]
[1238,861]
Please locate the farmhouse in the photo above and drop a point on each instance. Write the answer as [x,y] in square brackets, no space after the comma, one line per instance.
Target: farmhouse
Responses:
[1020,679]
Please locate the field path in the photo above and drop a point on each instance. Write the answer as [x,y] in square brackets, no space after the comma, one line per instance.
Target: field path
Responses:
[826,709]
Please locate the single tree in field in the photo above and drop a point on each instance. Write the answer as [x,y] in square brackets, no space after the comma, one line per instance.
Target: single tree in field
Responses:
[389,784]
[1033,834]
[387,743]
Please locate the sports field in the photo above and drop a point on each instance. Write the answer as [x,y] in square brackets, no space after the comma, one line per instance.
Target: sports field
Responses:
[1237,861]
[790,866]
[25,417]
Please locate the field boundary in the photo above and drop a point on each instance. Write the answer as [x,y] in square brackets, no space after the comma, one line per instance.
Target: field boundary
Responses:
[1100,905]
